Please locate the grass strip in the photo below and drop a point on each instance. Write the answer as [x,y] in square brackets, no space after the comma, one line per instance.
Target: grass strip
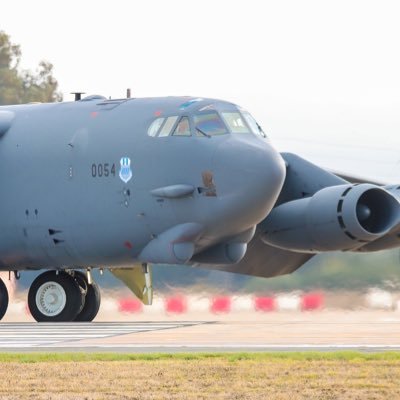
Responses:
[345,375]
[257,356]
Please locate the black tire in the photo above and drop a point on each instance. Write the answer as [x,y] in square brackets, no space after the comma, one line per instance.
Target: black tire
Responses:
[3,299]
[69,291]
[92,299]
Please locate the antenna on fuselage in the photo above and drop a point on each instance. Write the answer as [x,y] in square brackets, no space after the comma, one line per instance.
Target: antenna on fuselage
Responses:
[78,95]
[128,93]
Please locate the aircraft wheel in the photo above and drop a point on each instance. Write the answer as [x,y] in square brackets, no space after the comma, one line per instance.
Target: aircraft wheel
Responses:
[3,299]
[92,299]
[55,297]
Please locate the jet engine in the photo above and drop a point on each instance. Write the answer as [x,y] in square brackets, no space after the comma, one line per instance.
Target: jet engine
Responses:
[390,240]
[343,217]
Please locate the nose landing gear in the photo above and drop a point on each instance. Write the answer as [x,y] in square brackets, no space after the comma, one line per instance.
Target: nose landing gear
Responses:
[63,297]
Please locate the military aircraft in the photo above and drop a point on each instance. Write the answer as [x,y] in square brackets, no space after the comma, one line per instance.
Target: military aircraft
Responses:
[123,184]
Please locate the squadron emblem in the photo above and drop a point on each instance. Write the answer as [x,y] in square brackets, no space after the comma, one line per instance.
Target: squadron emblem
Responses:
[125,172]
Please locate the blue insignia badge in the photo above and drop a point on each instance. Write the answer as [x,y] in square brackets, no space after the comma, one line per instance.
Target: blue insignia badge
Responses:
[125,172]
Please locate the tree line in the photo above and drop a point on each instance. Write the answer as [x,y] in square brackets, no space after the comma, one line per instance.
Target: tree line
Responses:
[19,86]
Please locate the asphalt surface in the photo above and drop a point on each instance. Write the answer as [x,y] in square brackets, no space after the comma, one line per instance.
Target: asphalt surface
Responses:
[325,331]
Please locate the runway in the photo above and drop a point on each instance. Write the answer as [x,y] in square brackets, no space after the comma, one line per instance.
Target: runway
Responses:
[69,335]
[327,331]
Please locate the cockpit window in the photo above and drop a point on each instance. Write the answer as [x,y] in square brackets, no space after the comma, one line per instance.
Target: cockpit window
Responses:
[255,128]
[209,124]
[235,122]
[167,127]
[183,128]
[155,126]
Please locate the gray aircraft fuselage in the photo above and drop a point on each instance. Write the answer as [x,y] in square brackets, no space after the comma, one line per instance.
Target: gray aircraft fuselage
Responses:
[64,204]
[124,184]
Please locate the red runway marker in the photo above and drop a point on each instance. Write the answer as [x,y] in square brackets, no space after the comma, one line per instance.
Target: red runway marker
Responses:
[264,304]
[312,301]
[130,305]
[176,305]
[221,304]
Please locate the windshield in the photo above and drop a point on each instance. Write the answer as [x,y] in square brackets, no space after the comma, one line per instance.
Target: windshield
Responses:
[255,128]
[183,128]
[209,124]
[235,122]
[155,126]
[167,127]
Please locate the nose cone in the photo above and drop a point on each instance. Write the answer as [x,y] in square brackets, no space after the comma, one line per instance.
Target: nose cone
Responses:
[249,175]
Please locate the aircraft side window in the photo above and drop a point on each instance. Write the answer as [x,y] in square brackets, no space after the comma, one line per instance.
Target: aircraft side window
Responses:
[155,126]
[209,124]
[256,129]
[183,128]
[167,127]
[235,122]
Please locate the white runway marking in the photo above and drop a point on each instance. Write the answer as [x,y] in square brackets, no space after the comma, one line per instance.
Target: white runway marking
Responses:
[167,336]
[27,335]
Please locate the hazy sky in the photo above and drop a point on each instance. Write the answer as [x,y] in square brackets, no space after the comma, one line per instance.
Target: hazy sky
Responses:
[319,72]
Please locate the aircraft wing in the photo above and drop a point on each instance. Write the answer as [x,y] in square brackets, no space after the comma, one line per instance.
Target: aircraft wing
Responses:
[359,160]
[358,179]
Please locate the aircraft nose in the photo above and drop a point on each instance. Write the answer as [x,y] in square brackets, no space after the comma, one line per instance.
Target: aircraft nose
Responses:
[249,177]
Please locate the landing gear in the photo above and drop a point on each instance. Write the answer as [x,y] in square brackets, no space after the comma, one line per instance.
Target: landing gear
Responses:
[3,299]
[92,298]
[63,297]
[55,297]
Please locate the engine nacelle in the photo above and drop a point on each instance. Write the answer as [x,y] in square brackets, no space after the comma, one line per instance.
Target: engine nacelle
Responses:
[342,217]
[390,240]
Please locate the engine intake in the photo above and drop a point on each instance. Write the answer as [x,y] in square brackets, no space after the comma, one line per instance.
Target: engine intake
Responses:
[341,217]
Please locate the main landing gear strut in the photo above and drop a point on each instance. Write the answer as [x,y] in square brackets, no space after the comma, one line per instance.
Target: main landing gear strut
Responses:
[70,295]
[59,297]
[63,297]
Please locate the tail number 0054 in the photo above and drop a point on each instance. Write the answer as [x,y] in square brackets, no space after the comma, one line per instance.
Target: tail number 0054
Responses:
[103,170]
